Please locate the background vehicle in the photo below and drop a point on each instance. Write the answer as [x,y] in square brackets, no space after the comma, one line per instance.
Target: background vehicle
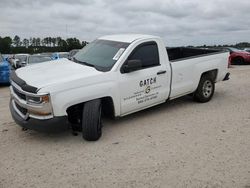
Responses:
[21,60]
[247,49]
[72,53]
[114,75]
[6,56]
[12,60]
[231,49]
[239,58]
[4,71]
[47,54]
[37,58]
[59,55]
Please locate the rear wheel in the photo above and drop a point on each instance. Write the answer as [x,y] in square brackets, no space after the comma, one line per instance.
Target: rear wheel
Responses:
[205,90]
[238,61]
[91,120]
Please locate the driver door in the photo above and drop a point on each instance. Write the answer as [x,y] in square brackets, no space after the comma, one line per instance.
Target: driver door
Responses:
[147,86]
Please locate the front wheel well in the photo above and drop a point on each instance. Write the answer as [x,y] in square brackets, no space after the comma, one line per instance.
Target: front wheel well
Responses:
[74,112]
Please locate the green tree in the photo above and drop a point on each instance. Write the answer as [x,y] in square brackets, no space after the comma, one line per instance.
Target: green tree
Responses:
[58,41]
[73,43]
[30,41]
[26,43]
[242,45]
[42,42]
[84,43]
[5,45]
[63,45]
[49,41]
[16,41]
[46,41]
[38,41]
[53,41]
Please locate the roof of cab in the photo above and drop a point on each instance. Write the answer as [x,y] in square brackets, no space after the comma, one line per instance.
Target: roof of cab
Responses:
[129,38]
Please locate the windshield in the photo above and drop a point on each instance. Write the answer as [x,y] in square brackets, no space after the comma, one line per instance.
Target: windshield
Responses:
[234,49]
[21,57]
[38,59]
[101,54]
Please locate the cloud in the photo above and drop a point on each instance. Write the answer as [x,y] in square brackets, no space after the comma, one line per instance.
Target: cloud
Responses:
[189,22]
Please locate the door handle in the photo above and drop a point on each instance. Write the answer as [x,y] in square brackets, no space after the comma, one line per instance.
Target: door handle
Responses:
[161,72]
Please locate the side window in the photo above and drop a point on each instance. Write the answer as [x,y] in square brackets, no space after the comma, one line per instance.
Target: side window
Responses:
[147,53]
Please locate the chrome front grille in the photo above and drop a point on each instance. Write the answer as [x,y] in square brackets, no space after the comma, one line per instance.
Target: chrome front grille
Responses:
[19,94]
[21,109]
[22,97]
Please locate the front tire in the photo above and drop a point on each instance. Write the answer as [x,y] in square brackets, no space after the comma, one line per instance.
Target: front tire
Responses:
[205,90]
[91,120]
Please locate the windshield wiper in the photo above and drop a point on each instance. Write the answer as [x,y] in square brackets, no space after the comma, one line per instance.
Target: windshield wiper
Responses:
[98,68]
[84,63]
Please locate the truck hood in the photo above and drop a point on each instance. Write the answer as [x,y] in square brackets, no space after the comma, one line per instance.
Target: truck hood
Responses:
[55,72]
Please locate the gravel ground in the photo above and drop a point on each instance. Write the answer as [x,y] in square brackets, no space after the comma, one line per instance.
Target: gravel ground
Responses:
[178,144]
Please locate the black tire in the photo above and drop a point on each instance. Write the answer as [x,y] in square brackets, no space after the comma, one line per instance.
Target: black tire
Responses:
[91,120]
[205,90]
[238,61]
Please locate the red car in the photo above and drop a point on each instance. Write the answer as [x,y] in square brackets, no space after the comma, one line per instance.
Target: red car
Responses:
[239,57]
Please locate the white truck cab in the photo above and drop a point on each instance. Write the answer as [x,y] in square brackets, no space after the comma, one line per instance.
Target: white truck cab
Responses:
[114,75]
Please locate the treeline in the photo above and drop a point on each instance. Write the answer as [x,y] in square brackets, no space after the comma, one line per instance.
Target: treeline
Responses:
[14,45]
[240,45]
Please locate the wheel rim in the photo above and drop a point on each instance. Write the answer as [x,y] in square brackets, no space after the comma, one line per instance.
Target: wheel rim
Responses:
[207,88]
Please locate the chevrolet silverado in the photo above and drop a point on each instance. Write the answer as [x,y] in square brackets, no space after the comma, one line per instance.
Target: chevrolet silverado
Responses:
[114,75]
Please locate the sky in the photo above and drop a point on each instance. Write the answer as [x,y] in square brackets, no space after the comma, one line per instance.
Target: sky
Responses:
[178,22]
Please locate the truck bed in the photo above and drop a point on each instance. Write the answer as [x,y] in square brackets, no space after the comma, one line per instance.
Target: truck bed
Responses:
[181,53]
[187,70]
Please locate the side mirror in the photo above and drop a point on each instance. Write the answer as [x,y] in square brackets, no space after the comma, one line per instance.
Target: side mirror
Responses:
[132,65]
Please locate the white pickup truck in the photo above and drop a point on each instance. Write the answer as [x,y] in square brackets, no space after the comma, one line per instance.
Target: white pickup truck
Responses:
[114,75]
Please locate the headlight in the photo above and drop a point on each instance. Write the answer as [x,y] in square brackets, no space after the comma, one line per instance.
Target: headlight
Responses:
[39,106]
[38,99]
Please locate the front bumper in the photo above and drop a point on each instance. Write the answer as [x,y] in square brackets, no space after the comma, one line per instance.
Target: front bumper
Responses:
[33,110]
[53,125]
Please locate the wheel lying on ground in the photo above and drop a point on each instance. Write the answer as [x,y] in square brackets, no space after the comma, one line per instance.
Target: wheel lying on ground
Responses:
[91,120]
[205,90]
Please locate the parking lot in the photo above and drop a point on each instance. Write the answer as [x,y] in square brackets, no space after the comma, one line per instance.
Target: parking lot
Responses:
[177,144]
